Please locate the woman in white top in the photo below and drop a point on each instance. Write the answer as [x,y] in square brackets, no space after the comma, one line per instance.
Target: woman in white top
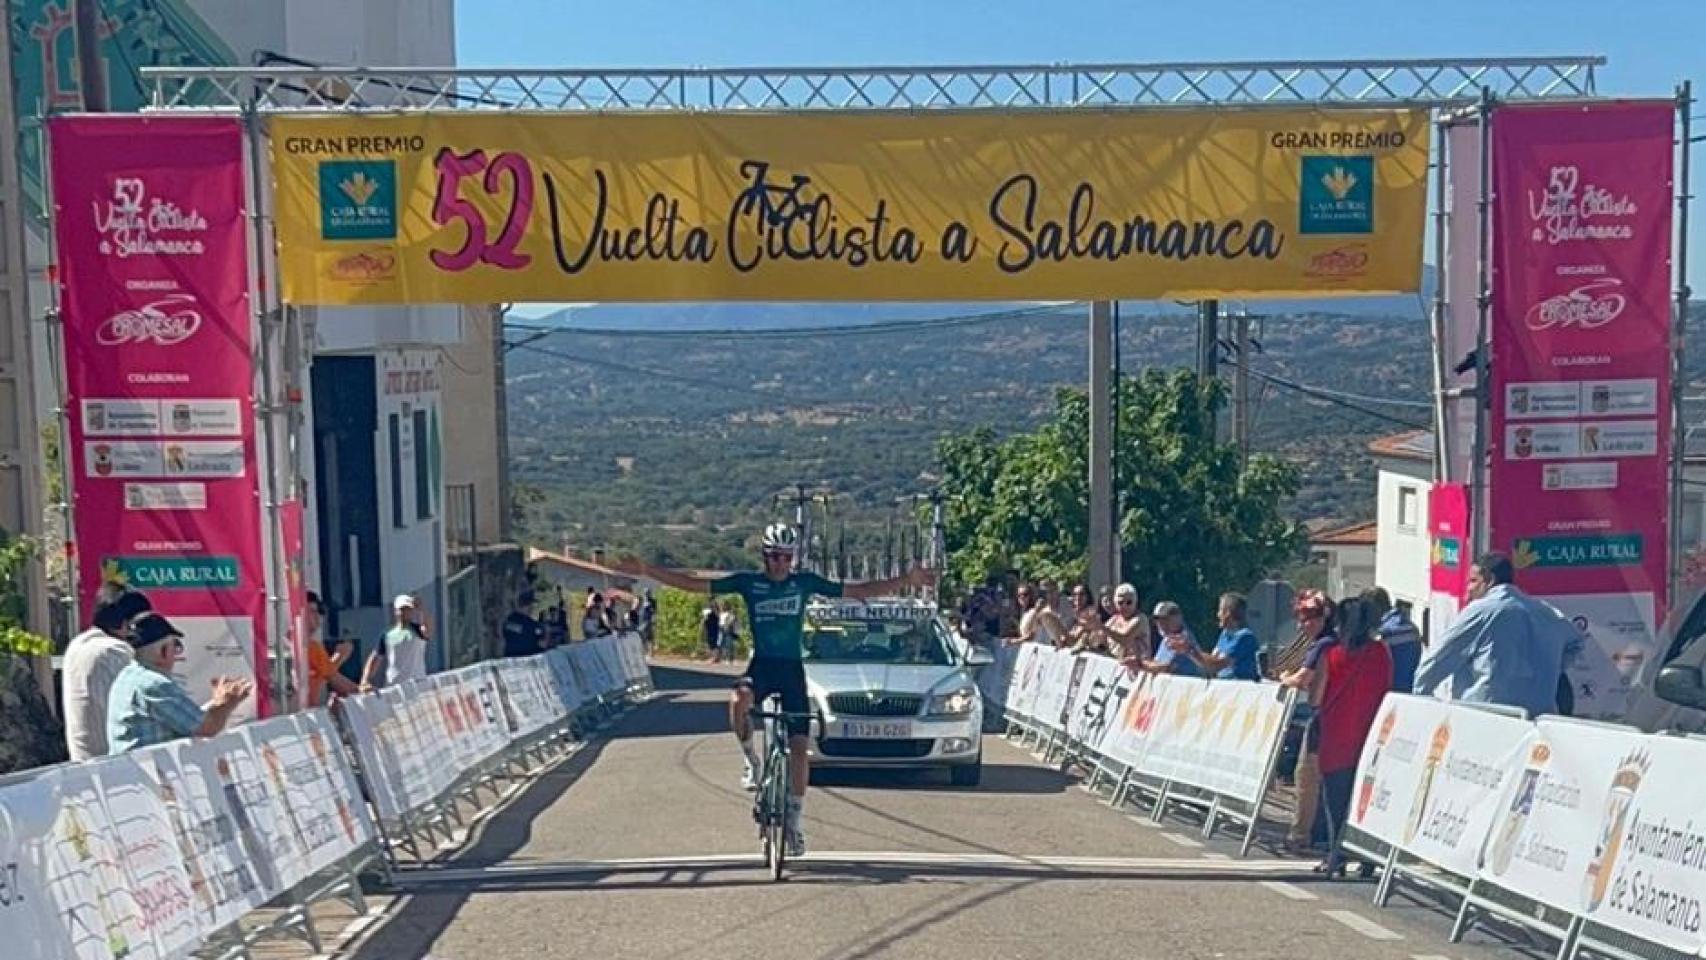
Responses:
[1038,623]
[1128,629]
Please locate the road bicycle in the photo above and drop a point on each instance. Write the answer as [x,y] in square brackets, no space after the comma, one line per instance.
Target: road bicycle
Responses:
[770,805]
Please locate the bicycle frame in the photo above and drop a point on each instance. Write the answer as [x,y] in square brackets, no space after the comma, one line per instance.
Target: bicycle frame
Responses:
[770,806]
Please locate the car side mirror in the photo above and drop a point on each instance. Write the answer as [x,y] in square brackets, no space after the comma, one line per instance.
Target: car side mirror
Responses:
[979,657]
[1682,685]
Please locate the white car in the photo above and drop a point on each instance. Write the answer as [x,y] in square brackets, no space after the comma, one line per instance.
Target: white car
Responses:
[895,688]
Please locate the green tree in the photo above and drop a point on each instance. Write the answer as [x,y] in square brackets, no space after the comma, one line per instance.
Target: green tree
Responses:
[1191,522]
[30,735]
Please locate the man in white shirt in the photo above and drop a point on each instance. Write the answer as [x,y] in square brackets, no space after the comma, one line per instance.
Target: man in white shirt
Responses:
[93,660]
[403,651]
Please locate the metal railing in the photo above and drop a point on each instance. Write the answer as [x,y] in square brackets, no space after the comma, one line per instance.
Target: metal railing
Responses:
[461,530]
[1259,83]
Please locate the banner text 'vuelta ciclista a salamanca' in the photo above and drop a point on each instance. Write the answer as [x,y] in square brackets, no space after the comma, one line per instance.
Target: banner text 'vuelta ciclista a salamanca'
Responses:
[491,208]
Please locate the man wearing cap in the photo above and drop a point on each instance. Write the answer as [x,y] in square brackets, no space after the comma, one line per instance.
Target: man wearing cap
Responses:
[523,637]
[1176,639]
[92,662]
[403,651]
[146,706]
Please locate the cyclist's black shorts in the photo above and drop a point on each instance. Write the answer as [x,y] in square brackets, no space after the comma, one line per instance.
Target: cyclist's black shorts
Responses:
[787,679]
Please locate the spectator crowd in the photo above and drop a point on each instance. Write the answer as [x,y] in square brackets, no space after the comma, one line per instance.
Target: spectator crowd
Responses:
[120,693]
[1504,648]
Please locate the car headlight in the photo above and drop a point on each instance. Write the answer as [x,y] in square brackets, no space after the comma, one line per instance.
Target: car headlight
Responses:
[952,703]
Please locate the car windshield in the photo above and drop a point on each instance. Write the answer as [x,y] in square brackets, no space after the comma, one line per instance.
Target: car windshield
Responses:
[843,636]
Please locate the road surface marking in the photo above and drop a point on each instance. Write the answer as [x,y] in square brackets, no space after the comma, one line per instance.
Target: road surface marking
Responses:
[1289,891]
[1066,866]
[1211,855]
[1363,925]
[1179,841]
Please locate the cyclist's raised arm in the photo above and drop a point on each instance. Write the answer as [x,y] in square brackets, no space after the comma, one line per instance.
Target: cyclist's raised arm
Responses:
[671,578]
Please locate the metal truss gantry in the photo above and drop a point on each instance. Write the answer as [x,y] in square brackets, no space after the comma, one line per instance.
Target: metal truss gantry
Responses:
[1438,83]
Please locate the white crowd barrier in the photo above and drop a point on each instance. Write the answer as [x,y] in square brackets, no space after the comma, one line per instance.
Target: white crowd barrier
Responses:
[1600,825]
[169,851]
[1210,743]
[159,852]
[424,743]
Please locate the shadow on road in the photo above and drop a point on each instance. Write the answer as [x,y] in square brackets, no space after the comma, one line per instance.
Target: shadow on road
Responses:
[997,778]
[690,676]
[546,877]
[417,921]
[672,715]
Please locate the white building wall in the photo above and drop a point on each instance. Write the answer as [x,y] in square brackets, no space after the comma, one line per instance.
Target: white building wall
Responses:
[411,482]
[1402,544]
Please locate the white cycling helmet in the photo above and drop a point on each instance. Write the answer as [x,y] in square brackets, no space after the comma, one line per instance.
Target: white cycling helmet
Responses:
[780,538]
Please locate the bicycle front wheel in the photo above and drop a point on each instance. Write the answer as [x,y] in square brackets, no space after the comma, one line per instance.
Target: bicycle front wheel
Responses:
[775,835]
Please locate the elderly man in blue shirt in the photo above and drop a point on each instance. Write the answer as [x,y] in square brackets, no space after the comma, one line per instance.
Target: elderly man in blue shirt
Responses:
[146,706]
[1506,647]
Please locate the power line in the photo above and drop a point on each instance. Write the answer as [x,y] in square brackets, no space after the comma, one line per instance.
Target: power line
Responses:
[1335,398]
[707,384]
[880,328]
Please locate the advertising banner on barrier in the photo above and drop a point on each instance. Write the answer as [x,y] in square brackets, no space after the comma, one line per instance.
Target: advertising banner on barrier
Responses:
[433,208]
[224,884]
[1605,822]
[1028,675]
[1431,776]
[1106,687]
[153,283]
[1214,734]
[1581,371]
[154,865]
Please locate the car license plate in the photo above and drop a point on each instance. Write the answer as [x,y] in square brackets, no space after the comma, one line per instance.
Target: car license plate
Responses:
[874,730]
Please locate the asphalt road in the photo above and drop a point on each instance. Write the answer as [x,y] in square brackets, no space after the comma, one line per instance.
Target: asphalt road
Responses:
[642,846]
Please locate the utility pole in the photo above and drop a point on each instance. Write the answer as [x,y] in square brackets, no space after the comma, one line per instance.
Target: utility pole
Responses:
[22,494]
[91,78]
[1103,567]
[1208,351]
[802,523]
[1241,386]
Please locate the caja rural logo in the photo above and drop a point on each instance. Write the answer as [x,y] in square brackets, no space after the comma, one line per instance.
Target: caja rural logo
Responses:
[358,199]
[1336,195]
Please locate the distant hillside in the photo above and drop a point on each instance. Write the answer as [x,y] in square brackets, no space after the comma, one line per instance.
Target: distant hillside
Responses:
[675,444]
[770,316]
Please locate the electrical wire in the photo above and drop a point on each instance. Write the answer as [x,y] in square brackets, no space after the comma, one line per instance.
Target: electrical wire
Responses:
[879,328]
[707,384]
[1333,397]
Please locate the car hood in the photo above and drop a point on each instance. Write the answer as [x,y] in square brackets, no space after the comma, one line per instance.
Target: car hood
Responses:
[896,678]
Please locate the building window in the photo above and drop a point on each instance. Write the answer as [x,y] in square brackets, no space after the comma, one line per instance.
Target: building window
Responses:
[1693,512]
[396,437]
[424,442]
[1409,509]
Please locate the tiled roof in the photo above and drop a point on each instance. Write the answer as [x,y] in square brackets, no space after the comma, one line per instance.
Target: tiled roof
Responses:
[1356,535]
[1415,445]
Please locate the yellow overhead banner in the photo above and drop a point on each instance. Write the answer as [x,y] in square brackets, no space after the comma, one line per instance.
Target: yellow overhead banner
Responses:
[465,208]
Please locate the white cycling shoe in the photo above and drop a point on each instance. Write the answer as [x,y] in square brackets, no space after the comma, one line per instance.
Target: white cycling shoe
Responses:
[749,777]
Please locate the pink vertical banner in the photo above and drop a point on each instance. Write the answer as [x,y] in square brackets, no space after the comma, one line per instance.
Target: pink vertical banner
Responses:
[1583,197]
[1448,539]
[296,593]
[149,218]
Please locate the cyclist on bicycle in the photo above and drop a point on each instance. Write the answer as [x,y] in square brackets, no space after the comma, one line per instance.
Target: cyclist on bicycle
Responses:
[775,607]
